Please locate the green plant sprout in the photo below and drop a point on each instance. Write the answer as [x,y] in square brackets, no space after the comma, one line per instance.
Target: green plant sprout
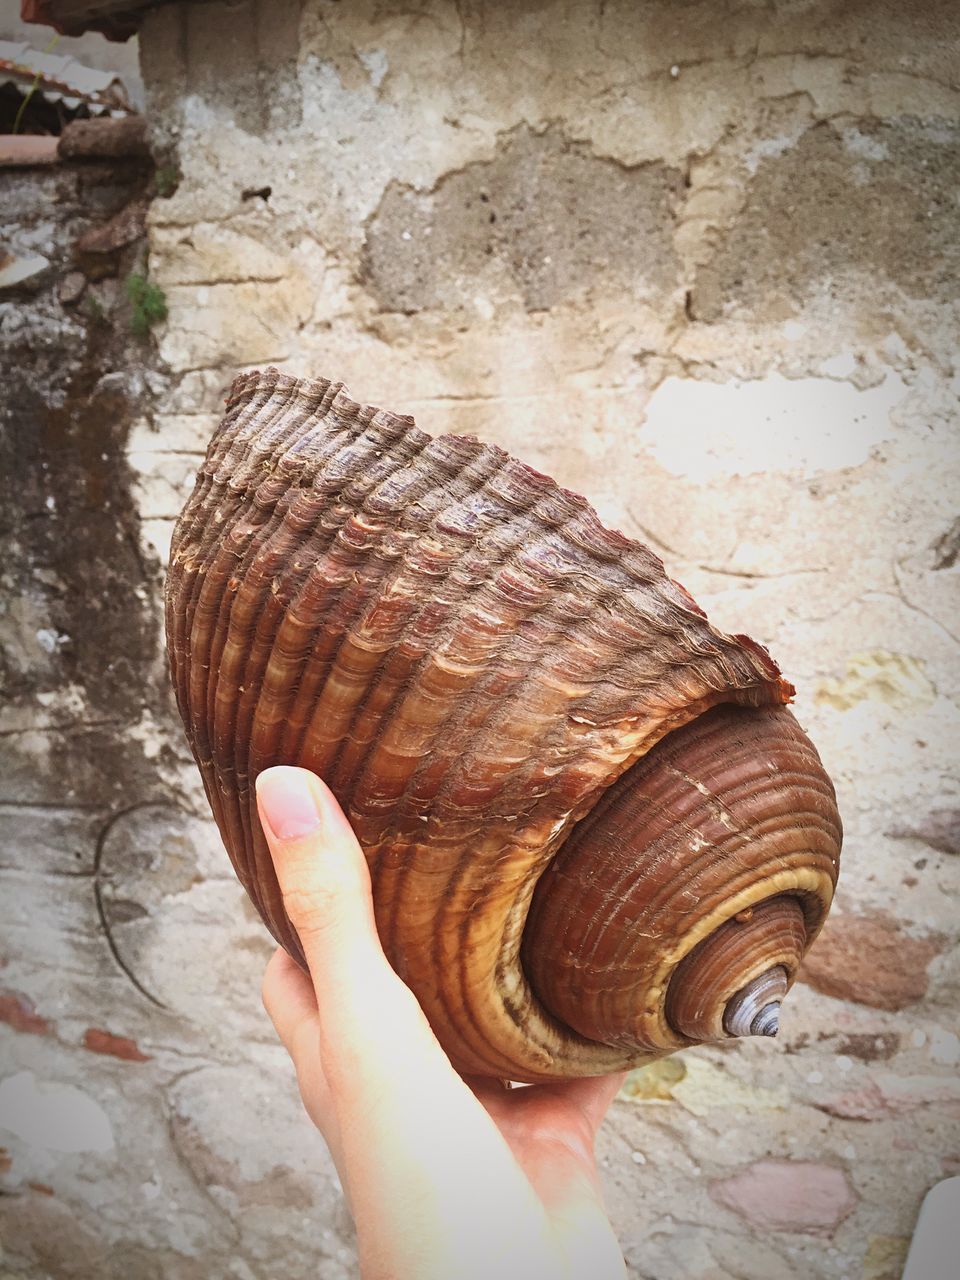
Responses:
[148,302]
[18,119]
[166,180]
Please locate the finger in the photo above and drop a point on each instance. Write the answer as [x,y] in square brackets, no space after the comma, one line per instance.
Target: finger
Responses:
[365,1011]
[288,998]
[591,1094]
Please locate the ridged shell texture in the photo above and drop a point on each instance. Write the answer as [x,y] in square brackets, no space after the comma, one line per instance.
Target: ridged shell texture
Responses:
[472,661]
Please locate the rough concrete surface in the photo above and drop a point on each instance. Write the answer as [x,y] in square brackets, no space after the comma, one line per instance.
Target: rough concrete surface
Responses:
[697,261]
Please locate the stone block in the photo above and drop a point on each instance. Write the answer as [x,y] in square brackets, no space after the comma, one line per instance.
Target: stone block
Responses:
[213,255]
[225,325]
[872,959]
[788,1195]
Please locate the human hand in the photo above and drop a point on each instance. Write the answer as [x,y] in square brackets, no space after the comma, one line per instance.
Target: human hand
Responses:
[445,1176]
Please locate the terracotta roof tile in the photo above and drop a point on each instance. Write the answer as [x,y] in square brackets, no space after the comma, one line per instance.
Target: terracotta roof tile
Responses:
[20,150]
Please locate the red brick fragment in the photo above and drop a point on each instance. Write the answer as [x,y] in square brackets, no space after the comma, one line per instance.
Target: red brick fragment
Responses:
[872,960]
[99,1041]
[18,1011]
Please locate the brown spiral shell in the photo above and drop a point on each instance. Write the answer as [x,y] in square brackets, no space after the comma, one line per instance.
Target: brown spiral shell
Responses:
[482,672]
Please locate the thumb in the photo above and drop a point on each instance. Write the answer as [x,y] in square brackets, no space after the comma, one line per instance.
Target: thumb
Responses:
[325,886]
[320,867]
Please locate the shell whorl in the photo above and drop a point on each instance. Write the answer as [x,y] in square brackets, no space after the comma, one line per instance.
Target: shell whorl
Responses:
[478,668]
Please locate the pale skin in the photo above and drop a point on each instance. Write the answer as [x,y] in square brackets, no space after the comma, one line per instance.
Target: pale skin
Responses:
[446,1176]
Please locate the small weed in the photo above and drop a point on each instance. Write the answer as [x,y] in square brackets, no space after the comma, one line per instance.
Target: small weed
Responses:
[166,180]
[33,88]
[148,302]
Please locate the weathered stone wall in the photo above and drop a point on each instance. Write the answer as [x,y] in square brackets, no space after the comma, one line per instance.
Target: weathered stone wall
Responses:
[698,261]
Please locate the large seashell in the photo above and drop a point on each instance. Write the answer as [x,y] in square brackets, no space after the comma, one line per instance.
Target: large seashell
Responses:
[595,833]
